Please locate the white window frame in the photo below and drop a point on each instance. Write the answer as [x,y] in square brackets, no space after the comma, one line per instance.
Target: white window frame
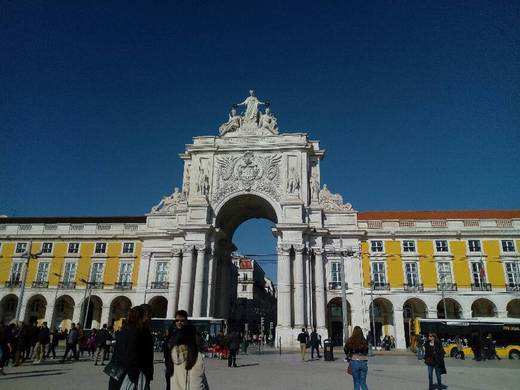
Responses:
[45,251]
[123,252]
[96,248]
[406,247]
[439,273]
[17,264]
[66,277]
[515,273]
[372,274]
[42,272]
[481,264]
[417,273]
[22,244]
[372,247]
[102,273]
[127,275]
[507,251]
[447,251]
[479,246]
[77,251]
[162,268]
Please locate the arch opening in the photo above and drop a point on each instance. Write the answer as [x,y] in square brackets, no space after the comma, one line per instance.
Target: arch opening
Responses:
[36,308]
[8,307]
[63,312]
[483,307]
[159,306]
[334,320]
[382,316]
[513,308]
[413,308]
[453,309]
[92,318]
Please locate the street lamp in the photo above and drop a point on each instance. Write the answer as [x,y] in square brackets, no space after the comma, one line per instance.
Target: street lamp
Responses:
[29,256]
[348,252]
[89,288]
[55,298]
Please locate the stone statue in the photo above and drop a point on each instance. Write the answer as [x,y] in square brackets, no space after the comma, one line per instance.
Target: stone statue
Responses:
[186,184]
[251,103]
[332,202]
[293,181]
[167,203]
[315,188]
[232,124]
[268,121]
[203,184]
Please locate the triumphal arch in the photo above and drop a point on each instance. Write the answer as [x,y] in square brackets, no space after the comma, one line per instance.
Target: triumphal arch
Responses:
[253,169]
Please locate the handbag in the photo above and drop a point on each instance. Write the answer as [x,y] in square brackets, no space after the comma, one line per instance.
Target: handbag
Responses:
[349,368]
[114,370]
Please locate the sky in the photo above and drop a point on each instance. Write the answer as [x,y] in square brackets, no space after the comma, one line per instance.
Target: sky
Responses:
[416,104]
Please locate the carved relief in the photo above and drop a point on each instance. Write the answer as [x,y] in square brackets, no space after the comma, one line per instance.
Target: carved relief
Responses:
[248,172]
[168,204]
[332,202]
[314,183]
[203,180]
[186,182]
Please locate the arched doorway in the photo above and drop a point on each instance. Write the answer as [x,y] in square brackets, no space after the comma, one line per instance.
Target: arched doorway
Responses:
[8,308]
[63,312]
[413,308]
[513,308]
[119,309]
[453,309]
[483,307]
[335,320]
[92,319]
[382,316]
[159,306]
[36,307]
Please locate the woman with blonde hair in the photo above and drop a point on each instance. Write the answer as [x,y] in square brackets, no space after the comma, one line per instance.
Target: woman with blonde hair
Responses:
[188,372]
[357,352]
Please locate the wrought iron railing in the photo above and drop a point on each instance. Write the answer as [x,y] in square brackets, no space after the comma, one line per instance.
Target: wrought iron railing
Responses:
[163,285]
[67,285]
[40,284]
[446,286]
[123,285]
[481,287]
[413,287]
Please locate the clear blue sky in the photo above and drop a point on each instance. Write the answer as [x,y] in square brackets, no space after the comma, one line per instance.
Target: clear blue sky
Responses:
[417,104]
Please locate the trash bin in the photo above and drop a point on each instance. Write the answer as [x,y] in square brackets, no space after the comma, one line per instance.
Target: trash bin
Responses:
[328,352]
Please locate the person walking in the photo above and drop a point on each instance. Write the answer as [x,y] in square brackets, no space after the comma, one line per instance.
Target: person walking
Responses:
[53,342]
[476,346]
[22,340]
[41,344]
[357,350]
[419,346]
[181,320]
[103,343]
[233,344]
[5,347]
[434,359]
[490,348]
[303,339]
[189,371]
[460,348]
[315,341]
[71,343]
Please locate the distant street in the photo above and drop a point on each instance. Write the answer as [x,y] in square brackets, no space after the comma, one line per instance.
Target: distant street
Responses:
[272,371]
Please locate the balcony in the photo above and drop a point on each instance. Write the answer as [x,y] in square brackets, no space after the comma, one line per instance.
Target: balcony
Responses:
[96,285]
[337,286]
[67,285]
[160,285]
[40,284]
[12,284]
[123,285]
[378,286]
[417,287]
[481,287]
[446,286]
[513,287]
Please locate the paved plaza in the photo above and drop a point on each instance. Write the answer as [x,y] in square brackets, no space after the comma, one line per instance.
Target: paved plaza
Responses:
[273,371]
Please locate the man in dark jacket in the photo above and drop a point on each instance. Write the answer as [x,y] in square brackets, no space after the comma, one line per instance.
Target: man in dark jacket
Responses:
[22,340]
[181,320]
[54,339]
[41,344]
[72,343]
[315,342]
[233,344]
[103,342]
[303,339]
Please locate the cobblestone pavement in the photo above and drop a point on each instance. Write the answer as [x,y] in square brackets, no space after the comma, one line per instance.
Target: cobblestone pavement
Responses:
[273,371]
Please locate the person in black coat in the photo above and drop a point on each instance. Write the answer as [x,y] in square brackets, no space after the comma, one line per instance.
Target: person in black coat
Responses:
[434,359]
[233,344]
[103,343]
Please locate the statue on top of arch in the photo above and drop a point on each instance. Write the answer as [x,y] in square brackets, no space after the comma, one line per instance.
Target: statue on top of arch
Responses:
[252,121]
[168,204]
[332,202]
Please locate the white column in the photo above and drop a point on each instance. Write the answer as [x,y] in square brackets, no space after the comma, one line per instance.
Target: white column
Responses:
[400,341]
[76,315]
[49,311]
[284,288]
[212,273]
[105,312]
[199,282]
[432,313]
[186,280]
[299,288]
[173,283]
[308,290]
[320,289]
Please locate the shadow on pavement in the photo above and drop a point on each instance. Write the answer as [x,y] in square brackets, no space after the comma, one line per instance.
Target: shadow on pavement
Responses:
[248,365]
[11,376]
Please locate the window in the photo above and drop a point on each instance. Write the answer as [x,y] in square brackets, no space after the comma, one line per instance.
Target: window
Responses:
[376,246]
[244,275]
[408,246]
[161,272]
[378,273]
[43,272]
[508,246]
[97,273]
[21,247]
[69,274]
[16,272]
[444,272]
[73,247]
[478,273]
[244,287]
[513,274]
[412,274]
[101,247]
[474,245]
[441,246]
[125,273]
[335,272]
[47,247]
[128,247]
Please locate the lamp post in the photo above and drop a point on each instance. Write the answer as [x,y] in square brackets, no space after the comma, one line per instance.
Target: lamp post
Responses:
[88,286]
[443,295]
[55,298]
[374,332]
[28,256]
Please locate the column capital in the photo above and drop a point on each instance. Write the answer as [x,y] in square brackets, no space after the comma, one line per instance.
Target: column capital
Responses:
[201,248]
[176,252]
[318,251]
[187,248]
[283,249]
[299,248]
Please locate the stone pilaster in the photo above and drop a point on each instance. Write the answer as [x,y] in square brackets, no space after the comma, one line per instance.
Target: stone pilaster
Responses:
[186,279]
[319,270]
[199,282]
[284,288]
[173,283]
[299,288]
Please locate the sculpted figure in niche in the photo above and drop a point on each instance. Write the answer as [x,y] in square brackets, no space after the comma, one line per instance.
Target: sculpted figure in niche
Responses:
[293,181]
[203,184]
[234,122]
[186,184]
[251,103]
[268,121]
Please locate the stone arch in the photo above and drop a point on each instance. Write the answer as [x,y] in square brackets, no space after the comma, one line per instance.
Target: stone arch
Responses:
[412,308]
[513,308]
[91,312]
[483,307]
[8,306]
[63,312]
[119,309]
[453,308]
[334,319]
[159,306]
[35,309]
[382,314]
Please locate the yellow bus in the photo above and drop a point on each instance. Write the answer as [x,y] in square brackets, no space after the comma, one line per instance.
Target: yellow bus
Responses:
[504,331]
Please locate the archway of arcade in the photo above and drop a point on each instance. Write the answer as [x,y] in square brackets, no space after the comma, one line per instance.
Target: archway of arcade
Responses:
[335,320]
[413,308]
[8,308]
